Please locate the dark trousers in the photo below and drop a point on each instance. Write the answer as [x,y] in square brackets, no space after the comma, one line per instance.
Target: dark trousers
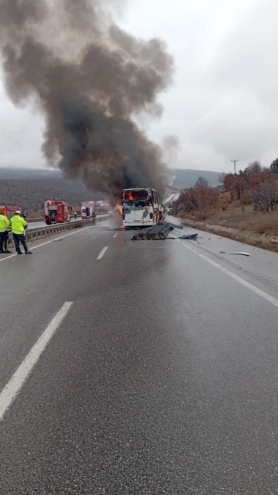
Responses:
[20,238]
[3,241]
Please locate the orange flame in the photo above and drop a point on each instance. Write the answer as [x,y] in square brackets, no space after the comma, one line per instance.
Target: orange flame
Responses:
[129,196]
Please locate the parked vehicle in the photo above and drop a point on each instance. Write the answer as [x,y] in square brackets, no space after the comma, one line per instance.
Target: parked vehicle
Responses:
[9,211]
[87,209]
[102,207]
[56,211]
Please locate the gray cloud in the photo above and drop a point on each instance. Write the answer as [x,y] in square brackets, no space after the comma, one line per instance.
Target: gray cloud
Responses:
[223,103]
[243,77]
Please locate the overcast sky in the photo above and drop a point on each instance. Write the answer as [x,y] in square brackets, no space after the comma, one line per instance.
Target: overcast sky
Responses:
[223,104]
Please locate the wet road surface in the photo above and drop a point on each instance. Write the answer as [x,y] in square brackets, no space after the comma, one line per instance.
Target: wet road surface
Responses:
[160,379]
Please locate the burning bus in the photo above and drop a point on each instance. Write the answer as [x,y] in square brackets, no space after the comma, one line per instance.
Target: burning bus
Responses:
[141,207]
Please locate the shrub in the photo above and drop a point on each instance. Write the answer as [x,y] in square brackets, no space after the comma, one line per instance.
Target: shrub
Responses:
[265,196]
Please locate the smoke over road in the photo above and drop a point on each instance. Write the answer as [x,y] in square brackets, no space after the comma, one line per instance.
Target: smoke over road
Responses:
[90,79]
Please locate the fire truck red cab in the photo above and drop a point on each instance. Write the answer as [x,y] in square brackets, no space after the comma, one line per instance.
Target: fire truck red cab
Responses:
[9,211]
[56,211]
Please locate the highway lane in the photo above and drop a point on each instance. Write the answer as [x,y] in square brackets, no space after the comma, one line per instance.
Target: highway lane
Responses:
[41,285]
[161,379]
[259,267]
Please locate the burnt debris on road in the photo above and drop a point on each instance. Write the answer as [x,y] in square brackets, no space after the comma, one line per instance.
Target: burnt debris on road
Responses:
[157,232]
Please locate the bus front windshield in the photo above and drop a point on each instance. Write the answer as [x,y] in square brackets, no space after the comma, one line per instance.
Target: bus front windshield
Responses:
[137,199]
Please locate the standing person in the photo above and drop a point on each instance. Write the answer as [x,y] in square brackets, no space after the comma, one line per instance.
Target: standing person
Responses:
[4,233]
[6,241]
[19,225]
[75,215]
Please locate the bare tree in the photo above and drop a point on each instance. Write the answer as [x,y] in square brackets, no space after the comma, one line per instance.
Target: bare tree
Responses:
[266,195]
[200,200]
[201,182]
[207,199]
[221,178]
[274,167]
[253,168]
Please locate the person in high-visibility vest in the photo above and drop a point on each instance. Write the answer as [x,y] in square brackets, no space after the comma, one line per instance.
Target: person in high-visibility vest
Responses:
[19,225]
[4,233]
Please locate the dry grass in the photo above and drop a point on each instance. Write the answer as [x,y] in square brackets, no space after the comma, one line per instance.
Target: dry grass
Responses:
[243,217]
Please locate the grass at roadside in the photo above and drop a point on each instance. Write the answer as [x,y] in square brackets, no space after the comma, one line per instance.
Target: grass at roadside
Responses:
[243,218]
[246,219]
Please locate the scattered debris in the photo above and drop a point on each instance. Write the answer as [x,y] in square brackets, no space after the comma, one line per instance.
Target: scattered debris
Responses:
[176,226]
[155,233]
[241,253]
[189,236]
[222,252]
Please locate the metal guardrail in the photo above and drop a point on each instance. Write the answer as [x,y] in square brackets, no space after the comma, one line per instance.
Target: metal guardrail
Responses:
[41,219]
[43,232]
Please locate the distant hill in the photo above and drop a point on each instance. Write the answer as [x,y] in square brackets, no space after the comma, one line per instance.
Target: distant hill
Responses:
[30,188]
[30,194]
[25,173]
[185,178]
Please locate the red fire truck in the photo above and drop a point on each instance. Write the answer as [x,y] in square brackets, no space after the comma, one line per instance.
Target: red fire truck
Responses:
[9,211]
[56,211]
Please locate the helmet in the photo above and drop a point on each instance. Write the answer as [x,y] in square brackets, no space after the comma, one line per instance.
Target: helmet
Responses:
[17,212]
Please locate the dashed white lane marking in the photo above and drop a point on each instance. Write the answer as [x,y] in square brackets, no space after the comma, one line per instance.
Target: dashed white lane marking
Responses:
[45,243]
[251,287]
[102,253]
[115,235]
[17,381]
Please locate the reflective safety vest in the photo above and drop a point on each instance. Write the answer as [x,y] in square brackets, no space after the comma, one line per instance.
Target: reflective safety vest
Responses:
[18,225]
[4,223]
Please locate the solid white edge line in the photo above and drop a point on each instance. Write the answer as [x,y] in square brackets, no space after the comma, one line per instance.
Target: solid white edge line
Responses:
[11,390]
[249,286]
[48,242]
[102,253]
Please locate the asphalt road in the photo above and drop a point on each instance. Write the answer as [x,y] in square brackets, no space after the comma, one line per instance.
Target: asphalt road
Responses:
[160,379]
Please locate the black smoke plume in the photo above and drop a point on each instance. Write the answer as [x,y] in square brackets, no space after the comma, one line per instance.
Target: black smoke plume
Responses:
[90,79]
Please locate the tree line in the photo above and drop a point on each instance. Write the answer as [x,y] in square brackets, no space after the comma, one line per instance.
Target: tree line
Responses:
[30,194]
[255,185]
